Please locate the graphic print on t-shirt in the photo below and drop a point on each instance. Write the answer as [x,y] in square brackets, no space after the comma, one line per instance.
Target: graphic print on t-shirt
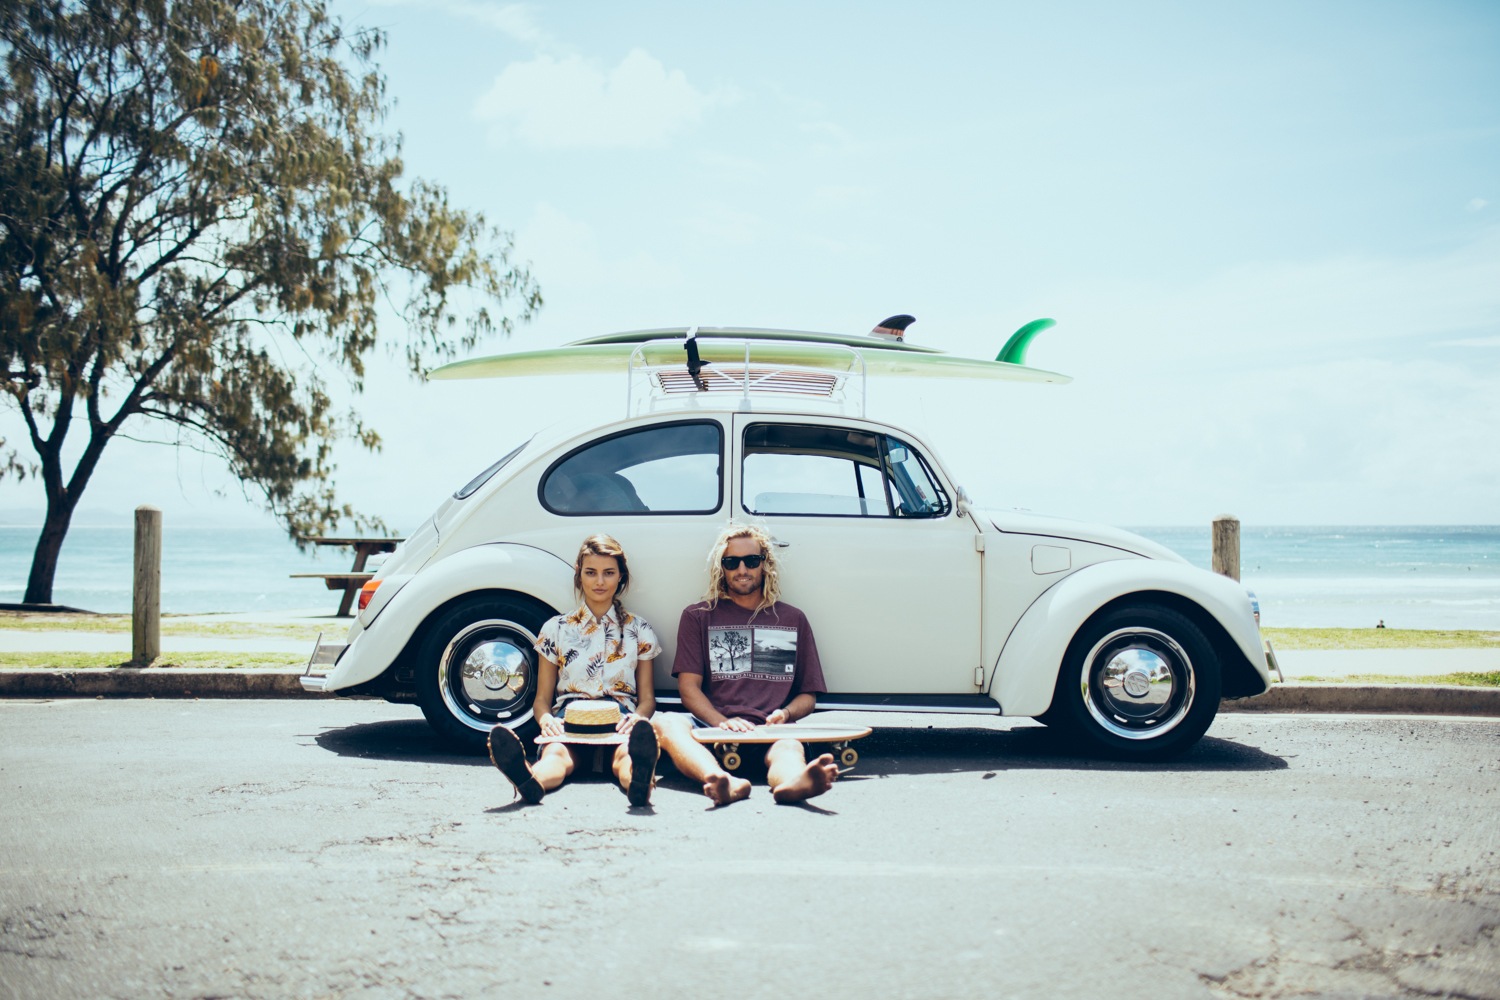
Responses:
[767,652]
[729,651]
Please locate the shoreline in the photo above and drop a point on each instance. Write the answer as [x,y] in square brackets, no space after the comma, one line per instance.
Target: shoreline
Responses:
[307,622]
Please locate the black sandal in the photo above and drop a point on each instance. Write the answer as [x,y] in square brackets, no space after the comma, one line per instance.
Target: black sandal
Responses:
[643,754]
[507,754]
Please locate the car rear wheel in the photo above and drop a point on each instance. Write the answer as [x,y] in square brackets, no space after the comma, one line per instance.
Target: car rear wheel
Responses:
[1139,682]
[477,668]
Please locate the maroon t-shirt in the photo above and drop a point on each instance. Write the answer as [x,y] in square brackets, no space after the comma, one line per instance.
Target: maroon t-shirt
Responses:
[749,668]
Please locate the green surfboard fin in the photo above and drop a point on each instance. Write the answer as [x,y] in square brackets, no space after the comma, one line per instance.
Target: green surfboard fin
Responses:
[1014,351]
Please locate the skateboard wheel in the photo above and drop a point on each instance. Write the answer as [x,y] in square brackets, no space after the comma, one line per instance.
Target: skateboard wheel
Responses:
[848,756]
[731,761]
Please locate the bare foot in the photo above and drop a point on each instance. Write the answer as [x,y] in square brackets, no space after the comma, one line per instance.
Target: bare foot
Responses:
[723,789]
[814,780]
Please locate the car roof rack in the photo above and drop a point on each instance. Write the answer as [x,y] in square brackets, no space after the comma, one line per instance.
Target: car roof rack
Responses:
[680,373]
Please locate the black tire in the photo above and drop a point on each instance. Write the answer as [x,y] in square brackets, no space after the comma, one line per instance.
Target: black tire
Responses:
[1139,682]
[476,668]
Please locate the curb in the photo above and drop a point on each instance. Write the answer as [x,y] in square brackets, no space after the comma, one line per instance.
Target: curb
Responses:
[150,682]
[1374,699]
[188,682]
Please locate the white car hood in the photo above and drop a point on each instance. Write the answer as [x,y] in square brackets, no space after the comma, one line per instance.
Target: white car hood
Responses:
[1025,523]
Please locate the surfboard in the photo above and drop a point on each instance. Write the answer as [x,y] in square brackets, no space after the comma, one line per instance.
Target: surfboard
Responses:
[726,346]
[755,333]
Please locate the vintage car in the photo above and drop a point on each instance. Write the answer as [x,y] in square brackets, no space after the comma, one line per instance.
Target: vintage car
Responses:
[920,600]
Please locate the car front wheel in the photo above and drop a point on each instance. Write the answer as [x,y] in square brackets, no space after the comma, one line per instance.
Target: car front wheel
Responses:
[1139,682]
[477,668]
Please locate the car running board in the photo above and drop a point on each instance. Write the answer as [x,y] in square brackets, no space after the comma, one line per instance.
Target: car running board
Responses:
[956,704]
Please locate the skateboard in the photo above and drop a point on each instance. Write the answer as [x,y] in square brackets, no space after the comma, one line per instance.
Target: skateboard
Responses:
[726,744]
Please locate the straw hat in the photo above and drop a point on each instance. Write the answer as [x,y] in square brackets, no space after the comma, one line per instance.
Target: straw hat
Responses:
[589,722]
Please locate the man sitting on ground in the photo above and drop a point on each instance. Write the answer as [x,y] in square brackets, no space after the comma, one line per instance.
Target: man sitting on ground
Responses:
[745,658]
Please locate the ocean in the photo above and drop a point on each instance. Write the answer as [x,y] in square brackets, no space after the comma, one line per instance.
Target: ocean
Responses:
[1353,577]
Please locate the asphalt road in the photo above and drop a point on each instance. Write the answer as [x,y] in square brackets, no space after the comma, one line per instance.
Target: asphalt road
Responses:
[330,849]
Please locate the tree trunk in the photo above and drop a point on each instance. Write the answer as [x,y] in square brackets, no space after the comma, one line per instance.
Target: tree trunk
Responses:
[48,547]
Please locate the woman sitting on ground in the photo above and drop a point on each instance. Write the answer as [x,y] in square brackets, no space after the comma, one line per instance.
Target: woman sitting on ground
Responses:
[599,652]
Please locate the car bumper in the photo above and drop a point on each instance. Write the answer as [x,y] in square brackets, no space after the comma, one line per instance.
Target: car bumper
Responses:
[324,654]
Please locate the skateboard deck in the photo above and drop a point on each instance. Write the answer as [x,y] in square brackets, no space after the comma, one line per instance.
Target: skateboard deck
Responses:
[726,744]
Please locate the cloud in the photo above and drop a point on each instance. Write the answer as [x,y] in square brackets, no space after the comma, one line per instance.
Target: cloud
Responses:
[566,254]
[827,138]
[574,103]
[1270,313]
[512,19]
[726,225]
[840,196]
[731,168]
[1476,205]
[1295,391]
[1472,342]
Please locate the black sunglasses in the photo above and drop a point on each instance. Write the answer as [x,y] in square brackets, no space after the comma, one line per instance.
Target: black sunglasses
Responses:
[733,562]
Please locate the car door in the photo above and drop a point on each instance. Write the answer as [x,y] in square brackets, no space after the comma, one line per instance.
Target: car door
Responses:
[871,548]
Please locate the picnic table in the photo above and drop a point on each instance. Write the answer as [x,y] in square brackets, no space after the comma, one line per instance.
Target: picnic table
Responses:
[356,578]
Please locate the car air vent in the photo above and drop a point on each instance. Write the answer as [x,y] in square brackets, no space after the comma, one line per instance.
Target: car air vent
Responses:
[724,378]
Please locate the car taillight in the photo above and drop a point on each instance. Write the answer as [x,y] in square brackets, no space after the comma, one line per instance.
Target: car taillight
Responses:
[366,592]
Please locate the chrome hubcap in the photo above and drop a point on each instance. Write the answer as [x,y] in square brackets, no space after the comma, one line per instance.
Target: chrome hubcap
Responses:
[1138,683]
[488,674]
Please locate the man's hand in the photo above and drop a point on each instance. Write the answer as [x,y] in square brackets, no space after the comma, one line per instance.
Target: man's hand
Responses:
[738,725]
[551,725]
[780,717]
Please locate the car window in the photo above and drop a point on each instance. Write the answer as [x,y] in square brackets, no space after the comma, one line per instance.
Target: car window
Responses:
[468,488]
[836,472]
[666,468]
[919,493]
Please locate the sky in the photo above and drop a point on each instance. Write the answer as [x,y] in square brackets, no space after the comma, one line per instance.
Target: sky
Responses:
[1269,233]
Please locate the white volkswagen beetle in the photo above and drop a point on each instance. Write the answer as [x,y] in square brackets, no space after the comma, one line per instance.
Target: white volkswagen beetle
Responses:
[921,601]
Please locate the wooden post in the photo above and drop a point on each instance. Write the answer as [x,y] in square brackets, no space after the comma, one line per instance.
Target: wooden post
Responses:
[145,623]
[1227,546]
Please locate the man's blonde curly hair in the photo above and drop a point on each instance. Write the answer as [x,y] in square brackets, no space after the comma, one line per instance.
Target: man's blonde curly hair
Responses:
[770,591]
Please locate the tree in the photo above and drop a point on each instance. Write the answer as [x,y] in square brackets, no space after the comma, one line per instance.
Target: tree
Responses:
[731,643]
[199,210]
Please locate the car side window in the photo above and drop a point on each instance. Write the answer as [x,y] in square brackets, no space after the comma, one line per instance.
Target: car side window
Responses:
[919,493]
[472,486]
[836,472]
[665,468]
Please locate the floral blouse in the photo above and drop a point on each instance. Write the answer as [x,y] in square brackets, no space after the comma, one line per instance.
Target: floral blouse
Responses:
[596,657]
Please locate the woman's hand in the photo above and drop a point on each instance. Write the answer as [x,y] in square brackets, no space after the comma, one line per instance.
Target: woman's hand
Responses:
[551,725]
[627,722]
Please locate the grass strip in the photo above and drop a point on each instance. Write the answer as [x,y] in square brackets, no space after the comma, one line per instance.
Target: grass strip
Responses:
[90,661]
[1488,678]
[175,625]
[1379,638]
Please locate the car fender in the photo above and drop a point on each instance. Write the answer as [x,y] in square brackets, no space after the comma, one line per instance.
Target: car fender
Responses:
[1025,674]
[523,569]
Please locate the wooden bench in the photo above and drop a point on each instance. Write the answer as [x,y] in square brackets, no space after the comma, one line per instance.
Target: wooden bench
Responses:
[356,578]
[349,583]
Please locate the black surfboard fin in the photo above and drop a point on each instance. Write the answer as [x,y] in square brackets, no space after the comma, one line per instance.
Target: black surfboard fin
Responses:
[893,327]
